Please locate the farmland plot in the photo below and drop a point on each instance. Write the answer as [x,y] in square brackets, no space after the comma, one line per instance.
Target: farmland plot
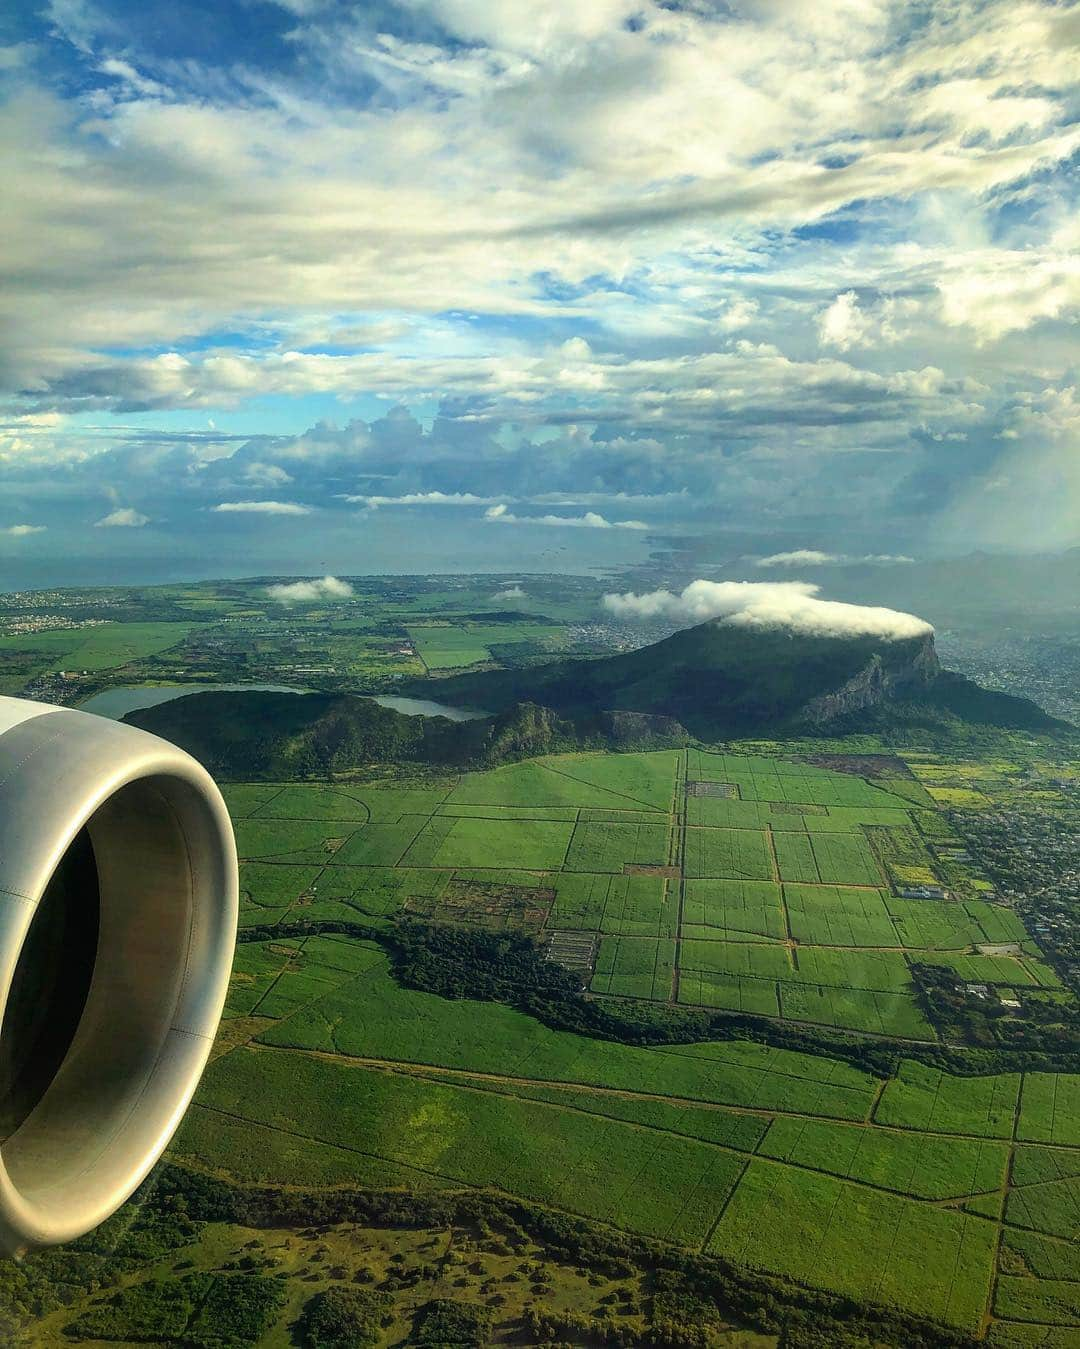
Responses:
[635,967]
[733,910]
[839,916]
[733,854]
[926,1098]
[611,847]
[859,1243]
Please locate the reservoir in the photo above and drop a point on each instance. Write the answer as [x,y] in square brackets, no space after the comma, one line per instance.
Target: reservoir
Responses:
[118,702]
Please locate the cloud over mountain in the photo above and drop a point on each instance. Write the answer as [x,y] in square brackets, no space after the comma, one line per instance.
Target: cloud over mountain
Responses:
[792,605]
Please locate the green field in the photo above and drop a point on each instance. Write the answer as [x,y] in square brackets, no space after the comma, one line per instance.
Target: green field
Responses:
[858,1242]
[611,847]
[632,906]
[451,647]
[731,854]
[627,855]
[733,910]
[774,902]
[866,1192]
[635,967]
[104,646]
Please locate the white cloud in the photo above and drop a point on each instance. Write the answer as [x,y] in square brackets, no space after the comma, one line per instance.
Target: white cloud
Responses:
[737,314]
[266,475]
[695,135]
[797,557]
[309,592]
[843,324]
[590,520]
[996,291]
[548,220]
[260,508]
[846,323]
[792,605]
[20,531]
[810,557]
[423,499]
[122,518]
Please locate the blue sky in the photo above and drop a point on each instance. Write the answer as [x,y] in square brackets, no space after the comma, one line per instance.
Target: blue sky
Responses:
[809,270]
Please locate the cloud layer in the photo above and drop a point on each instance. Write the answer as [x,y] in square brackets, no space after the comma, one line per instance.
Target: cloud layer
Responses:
[809,263]
[811,557]
[260,508]
[790,605]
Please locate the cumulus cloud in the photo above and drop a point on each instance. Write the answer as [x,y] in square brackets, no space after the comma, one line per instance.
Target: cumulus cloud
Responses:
[260,508]
[846,323]
[996,291]
[502,514]
[791,605]
[843,324]
[266,475]
[310,592]
[811,557]
[384,174]
[124,517]
[20,531]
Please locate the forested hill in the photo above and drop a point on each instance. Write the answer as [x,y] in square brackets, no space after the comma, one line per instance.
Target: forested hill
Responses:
[257,734]
[719,681]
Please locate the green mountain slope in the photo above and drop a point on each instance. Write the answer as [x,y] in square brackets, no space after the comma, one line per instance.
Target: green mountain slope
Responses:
[719,680]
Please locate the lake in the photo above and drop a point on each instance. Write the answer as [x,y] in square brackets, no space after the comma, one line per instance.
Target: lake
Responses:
[118,702]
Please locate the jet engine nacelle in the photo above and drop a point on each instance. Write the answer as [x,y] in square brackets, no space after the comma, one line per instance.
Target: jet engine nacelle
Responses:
[118,906]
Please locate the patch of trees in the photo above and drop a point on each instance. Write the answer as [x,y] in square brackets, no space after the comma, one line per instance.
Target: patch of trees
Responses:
[1045,1031]
[345,1318]
[203,1311]
[691,1292]
[47,1280]
[157,1310]
[443,1322]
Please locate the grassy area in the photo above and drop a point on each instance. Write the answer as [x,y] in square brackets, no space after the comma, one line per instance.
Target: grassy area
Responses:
[785,910]
[91,650]
[443,646]
[731,854]
[850,1187]
[830,1233]
[811,859]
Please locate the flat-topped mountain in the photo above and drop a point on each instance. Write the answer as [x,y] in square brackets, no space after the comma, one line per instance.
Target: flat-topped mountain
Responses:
[720,680]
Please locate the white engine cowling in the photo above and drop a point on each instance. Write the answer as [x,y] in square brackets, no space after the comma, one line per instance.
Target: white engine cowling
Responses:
[118,911]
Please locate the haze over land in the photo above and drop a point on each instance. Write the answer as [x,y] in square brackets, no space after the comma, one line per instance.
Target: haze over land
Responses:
[316,287]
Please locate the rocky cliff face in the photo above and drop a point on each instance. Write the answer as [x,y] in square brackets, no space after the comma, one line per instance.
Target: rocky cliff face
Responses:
[643,730]
[909,668]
